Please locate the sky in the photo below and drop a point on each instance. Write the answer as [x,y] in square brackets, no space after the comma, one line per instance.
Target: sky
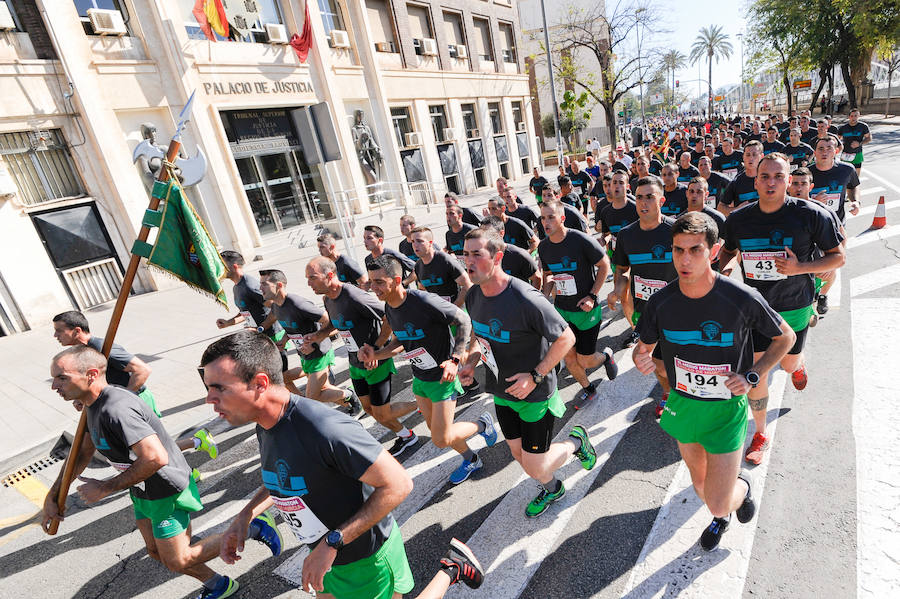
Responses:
[685,18]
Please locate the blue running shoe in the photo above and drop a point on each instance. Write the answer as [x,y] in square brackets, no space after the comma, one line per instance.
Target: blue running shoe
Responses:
[269,535]
[226,588]
[490,431]
[466,469]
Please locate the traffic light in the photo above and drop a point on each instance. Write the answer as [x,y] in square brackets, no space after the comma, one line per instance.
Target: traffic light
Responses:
[677,83]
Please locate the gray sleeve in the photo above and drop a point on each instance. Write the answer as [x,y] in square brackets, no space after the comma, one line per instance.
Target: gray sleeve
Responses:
[542,316]
[346,446]
[129,423]
[119,356]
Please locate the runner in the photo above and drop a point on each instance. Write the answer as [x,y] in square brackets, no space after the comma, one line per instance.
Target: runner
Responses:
[574,219]
[716,183]
[348,271]
[520,211]
[771,143]
[521,339]
[834,183]
[299,317]
[801,186]
[358,317]
[407,224]
[470,217]
[674,192]
[643,260]
[516,262]
[537,184]
[575,268]
[704,325]
[618,212]
[776,238]
[456,231]
[598,191]
[686,168]
[730,162]
[807,134]
[437,272]
[796,150]
[333,484]
[743,188]
[433,335]
[373,239]
[125,370]
[582,184]
[517,232]
[567,193]
[642,169]
[126,432]
[698,201]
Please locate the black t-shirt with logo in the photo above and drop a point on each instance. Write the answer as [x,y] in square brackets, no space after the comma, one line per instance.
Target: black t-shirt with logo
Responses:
[572,263]
[649,256]
[348,271]
[248,298]
[358,313]
[772,146]
[581,181]
[799,155]
[537,184]
[517,233]
[834,182]
[518,263]
[729,165]
[574,219]
[299,316]
[456,241]
[422,324]
[850,133]
[439,276]
[527,216]
[613,219]
[740,191]
[676,200]
[406,248]
[407,264]
[686,174]
[716,185]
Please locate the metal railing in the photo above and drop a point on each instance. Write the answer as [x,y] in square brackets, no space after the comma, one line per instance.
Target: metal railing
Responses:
[397,194]
[94,283]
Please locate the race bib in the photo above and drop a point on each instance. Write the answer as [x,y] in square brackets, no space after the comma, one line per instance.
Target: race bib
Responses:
[731,173]
[303,522]
[710,202]
[565,284]
[833,200]
[120,467]
[249,323]
[644,288]
[760,266]
[848,156]
[487,356]
[420,358]
[347,336]
[706,381]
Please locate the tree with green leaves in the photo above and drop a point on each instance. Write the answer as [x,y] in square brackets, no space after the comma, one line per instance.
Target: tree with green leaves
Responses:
[672,61]
[711,43]
[773,44]
[577,114]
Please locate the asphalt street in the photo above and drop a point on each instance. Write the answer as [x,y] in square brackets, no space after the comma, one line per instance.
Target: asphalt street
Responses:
[612,536]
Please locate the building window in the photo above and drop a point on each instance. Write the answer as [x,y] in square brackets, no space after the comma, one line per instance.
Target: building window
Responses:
[331,16]
[420,28]
[82,6]
[15,17]
[453,29]
[508,39]
[243,25]
[518,121]
[40,164]
[438,121]
[381,26]
[496,119]
[402,124]
[470,121]
[483,45]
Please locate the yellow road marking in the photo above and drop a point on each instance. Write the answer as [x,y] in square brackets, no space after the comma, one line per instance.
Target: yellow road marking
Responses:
[34,490]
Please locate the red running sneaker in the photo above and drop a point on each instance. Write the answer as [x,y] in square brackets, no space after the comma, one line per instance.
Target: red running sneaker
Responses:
[799,378]
[758,447]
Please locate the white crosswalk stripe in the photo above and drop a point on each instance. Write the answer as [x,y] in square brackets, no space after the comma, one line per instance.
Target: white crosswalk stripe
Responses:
[871,190]
[867,237]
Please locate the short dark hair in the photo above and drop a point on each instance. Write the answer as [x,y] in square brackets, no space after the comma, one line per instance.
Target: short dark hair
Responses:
[379,232]
[72,319]
[389,264]
[832,137]
[650,180]
[494,222]
[754,143]
[492,240]
[274,275]
[802,172]
[328,238]
[251,352]
[564,180]
[230,257]
[693,223]
[699,181]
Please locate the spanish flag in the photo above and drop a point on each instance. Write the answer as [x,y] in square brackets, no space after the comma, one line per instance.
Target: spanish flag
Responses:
[210,14]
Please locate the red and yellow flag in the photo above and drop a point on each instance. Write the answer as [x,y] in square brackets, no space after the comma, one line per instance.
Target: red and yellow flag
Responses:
[210,14]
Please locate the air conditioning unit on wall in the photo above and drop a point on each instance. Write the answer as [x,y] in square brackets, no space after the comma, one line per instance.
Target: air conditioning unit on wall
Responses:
[520,126]
[472,133]
[449,133]
[413,139]
[106,22]
[339,39]
[462,51]
[429,47]
[384,47]
[277,33]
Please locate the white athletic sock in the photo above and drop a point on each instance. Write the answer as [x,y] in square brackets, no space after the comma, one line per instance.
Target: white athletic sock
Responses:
[405,432]
[197,442]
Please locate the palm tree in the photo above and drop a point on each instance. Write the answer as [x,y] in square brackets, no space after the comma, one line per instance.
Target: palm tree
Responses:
[710,43]
[672,61]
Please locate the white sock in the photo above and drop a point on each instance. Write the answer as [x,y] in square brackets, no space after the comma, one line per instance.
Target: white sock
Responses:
[197,442]
[404,432]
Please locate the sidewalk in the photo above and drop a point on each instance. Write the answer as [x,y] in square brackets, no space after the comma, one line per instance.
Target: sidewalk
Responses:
[169,330]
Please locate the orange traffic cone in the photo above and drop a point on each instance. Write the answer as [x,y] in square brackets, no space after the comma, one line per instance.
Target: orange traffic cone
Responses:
[880,220]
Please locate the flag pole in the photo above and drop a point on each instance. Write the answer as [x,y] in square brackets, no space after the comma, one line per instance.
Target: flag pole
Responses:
[127,281]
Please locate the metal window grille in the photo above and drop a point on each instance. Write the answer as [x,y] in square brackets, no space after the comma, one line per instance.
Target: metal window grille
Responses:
[41,166]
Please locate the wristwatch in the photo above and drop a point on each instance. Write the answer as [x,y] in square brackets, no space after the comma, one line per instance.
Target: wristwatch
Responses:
[752,377]
[537,377]
[455,360]
[335,538]
[593,296]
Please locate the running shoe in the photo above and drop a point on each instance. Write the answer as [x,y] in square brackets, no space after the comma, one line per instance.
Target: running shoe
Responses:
[472,390]
[799,378]
[401,443]
[710,538]
[822,304]
[747,509]
[351,406]
[612,369]
[490,431]
[207,443]
[269,535]
[814,319]
[660,407]
[543,500]
[758,447]
[632,340]
[585,452]
[195,475]
[466,469]
[461,565]
[226,588]
[585,396]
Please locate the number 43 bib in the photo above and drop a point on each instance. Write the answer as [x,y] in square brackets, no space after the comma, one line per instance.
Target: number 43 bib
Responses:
[760,266]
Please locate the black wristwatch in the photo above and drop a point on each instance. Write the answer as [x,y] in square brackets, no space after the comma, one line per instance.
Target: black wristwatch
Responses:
[593,296]
[537,377]
[335,538]
[455,360]
[752,377]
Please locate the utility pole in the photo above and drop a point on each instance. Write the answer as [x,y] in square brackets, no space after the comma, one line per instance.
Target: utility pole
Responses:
[559,150]
[740,36]
[640,72]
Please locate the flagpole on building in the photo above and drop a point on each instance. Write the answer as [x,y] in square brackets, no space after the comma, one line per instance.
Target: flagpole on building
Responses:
[124,291]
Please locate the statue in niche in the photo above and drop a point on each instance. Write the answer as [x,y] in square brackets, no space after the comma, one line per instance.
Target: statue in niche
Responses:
[367,149]
[149,155]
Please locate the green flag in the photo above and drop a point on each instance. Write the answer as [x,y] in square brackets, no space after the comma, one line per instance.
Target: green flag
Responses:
[183,247]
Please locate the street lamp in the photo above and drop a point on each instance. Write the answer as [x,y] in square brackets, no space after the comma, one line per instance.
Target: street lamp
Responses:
[740,36]
[640,72]
[559,150]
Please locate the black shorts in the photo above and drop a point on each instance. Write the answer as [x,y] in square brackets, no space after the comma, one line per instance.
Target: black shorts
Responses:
[761,343]
[536,436]
[586,341]
[379,393]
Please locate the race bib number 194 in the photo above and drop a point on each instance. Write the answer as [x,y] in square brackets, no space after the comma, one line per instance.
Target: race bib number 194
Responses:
[706,381]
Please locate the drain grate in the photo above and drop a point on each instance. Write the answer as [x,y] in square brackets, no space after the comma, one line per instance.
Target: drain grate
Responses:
[14,478]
